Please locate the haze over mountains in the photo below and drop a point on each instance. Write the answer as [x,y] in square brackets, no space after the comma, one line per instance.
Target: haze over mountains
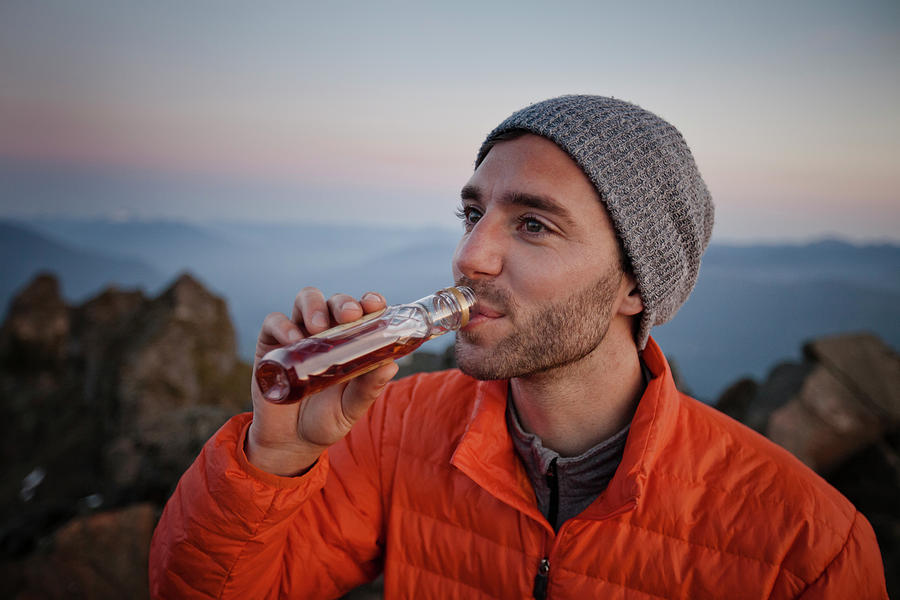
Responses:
[753,306]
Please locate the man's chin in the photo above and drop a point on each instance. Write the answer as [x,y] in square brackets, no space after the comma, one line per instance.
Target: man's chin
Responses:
[475,361]
[467,356]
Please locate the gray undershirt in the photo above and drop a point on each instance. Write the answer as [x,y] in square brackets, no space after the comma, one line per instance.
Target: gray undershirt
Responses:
[579,479]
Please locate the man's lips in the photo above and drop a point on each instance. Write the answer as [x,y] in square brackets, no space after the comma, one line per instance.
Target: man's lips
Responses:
[486,311]
[482,314]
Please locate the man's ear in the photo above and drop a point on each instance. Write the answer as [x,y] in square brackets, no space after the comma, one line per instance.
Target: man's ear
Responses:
[632,303]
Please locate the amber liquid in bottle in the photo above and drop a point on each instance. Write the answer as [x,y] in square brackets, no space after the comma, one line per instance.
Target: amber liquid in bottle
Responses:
[286,375]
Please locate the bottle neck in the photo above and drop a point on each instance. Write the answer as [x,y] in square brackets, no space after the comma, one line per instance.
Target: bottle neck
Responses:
[448,309]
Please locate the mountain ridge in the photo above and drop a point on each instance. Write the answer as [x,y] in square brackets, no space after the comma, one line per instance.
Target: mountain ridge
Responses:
[26,252]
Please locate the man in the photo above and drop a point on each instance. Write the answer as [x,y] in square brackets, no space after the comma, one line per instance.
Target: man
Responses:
[561,462]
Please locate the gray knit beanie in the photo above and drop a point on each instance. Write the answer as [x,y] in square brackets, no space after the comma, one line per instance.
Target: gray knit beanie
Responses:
[648,181]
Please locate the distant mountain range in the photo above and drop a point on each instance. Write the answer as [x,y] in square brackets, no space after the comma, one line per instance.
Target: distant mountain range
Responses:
[753,307]
[26,251]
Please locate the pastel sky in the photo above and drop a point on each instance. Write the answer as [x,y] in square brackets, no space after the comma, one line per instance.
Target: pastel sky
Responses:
[372,112]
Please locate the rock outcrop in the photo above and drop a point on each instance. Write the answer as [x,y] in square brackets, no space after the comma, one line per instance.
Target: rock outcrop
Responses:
[849,400]
[105,404]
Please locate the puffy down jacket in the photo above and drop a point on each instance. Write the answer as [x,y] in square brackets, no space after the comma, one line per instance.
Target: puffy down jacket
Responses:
[428,488]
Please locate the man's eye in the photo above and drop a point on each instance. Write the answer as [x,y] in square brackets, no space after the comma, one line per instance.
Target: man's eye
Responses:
[469,215]
[532,225]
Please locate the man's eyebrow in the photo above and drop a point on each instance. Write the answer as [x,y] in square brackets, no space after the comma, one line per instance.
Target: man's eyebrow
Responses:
[470,192]
[535,201]
[542,203]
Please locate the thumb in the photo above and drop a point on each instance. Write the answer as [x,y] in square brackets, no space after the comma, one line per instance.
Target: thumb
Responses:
[361,392]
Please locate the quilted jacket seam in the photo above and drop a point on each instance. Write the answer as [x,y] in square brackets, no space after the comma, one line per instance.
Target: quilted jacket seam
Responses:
[721,490]
[443,464]
[197,593]
[717,550]
[445,577]
[615,583]
[515,549]
[414,383]
[240,554]
[833,558]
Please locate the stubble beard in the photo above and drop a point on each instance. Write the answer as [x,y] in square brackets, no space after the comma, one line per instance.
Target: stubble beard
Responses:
[550,336]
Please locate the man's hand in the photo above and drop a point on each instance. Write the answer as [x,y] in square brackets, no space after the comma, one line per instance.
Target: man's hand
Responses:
[287,439]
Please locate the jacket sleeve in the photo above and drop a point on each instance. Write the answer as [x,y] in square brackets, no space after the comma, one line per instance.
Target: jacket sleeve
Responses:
[231,530]
[857,571]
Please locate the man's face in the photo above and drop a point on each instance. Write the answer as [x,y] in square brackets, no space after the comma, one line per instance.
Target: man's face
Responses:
[541,254]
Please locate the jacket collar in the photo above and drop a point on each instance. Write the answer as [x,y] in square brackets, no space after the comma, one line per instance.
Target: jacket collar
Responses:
[486,454]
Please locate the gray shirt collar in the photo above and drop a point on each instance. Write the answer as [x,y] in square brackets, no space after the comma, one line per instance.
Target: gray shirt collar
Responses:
[580,479]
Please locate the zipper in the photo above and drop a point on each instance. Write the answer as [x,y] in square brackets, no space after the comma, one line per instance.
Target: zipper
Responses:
[553,484]
[541,580]
[542,577]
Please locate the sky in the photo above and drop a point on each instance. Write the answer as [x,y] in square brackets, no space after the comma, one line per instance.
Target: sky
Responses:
[372,112]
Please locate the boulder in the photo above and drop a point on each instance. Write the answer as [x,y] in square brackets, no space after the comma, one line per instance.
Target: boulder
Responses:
[866,366]
[850,399]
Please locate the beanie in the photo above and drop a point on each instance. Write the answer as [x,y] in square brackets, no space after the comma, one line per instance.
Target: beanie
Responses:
[648,182]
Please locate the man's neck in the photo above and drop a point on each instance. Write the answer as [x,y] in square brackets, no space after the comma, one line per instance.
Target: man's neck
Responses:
[575,407]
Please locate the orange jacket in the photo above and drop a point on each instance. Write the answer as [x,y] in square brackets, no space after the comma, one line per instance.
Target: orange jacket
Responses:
[428,488]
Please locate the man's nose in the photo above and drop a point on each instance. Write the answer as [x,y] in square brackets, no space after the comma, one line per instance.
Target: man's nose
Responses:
[481,251]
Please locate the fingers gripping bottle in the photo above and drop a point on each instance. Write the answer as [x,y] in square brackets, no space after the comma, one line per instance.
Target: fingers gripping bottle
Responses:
[288,374]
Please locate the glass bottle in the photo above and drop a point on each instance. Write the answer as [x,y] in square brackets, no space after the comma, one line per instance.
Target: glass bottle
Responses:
[290,373]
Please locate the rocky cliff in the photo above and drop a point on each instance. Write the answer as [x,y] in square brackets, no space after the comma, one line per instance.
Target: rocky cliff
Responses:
[104,405]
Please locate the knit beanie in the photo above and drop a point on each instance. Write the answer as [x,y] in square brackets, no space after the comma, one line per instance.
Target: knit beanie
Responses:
[648,181]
